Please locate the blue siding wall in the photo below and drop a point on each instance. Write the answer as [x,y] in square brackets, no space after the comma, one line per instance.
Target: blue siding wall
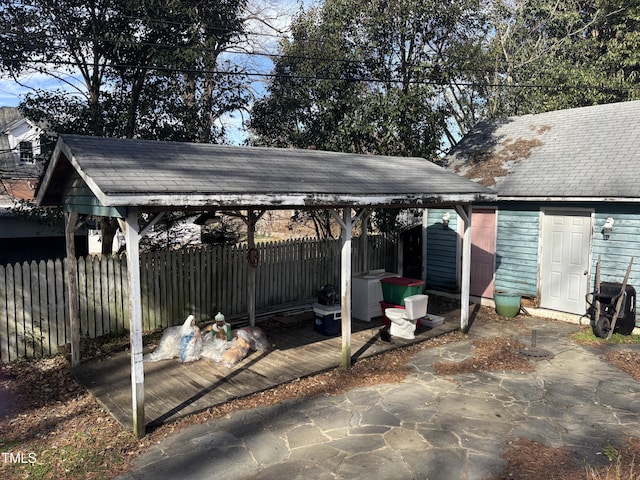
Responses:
[442,250]
[624,243]
[78,197]
[517,249]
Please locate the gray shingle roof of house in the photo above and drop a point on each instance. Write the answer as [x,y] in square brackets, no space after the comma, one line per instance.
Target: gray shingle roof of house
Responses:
[126,172]
[589,152]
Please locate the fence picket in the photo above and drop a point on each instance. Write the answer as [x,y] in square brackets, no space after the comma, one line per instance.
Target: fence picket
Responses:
[4,313]
[62,315]
[12,319]
[19,299]
[40,276]
[47,280]
[33,332]
[82,292]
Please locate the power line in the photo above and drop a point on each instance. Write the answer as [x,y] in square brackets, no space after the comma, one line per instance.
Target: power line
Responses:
[321,78]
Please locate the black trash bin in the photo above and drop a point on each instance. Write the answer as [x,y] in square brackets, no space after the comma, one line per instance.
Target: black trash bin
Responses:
[608,297]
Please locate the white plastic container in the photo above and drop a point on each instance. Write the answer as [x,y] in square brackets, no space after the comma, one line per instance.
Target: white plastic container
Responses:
[431,321]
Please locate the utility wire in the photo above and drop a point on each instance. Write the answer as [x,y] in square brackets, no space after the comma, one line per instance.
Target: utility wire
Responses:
[263,75]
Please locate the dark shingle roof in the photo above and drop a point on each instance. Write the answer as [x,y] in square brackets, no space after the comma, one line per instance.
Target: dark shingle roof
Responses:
[124,172]
[589,152]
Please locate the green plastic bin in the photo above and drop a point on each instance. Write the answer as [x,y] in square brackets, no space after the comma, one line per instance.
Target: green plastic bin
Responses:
[396,289]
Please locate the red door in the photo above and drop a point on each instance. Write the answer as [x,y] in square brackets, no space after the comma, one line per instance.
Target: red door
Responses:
[483,249]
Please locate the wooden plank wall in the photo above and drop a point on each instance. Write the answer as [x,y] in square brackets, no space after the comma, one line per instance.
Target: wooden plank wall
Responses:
[517,240]
[442,250]
[33,296]
[617,250]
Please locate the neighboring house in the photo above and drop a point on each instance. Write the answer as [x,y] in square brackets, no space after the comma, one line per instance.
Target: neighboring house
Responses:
[24,237]
[560,177]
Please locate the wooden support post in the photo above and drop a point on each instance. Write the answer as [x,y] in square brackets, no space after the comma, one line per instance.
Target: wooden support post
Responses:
[135,325]
[346,223]
[71,274]
[465,214]
[253,260]
[425,230]
[251,274]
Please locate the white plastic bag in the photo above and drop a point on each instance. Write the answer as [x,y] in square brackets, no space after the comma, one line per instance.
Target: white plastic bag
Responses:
[254,336]
[213,348]
[171,343]
[236,353]
[168,347]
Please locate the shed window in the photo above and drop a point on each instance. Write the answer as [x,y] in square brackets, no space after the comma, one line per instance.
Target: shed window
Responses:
[26,152]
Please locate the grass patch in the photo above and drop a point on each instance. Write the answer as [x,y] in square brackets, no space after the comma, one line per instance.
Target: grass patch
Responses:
[586,335]
[8,445]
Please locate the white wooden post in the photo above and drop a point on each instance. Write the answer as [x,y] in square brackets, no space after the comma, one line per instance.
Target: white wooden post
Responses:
[71,274]
[346,224]
[465,214]
[425,231]
[135,324]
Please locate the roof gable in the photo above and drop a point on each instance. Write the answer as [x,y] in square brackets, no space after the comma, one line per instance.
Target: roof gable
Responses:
[589,152]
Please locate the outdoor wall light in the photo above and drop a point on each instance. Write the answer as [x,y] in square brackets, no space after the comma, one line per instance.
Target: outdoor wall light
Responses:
[607,228]
[445,219]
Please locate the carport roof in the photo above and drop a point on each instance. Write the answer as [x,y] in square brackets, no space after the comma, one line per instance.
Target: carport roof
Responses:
[153,174]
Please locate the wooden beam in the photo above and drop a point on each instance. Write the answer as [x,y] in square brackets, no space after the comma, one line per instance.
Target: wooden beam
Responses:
[135,323]
[252,259]
[154,219]
[71,274]
[346,224]
[464,211]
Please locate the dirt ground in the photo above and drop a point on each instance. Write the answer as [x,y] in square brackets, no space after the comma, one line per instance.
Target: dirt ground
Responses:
[56,429]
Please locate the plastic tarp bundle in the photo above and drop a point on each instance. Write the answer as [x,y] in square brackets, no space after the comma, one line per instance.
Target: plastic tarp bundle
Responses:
[232,352]
[168,347]
[235,354]
[213,348]
[184,342]
[187,344]
[254,336]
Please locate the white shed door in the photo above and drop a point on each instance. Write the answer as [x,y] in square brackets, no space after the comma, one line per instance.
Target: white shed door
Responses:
[566,238]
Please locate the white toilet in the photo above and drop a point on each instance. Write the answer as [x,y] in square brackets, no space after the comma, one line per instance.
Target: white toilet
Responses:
[403,320]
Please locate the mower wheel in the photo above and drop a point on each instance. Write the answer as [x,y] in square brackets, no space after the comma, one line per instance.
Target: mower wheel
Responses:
[602,327]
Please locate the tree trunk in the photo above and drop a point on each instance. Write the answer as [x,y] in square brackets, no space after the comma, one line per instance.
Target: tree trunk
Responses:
[108,229]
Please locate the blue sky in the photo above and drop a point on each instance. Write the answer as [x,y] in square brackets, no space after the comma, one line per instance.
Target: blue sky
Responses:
[278,13]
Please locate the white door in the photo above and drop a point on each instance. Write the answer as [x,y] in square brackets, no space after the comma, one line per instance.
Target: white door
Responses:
[565,251]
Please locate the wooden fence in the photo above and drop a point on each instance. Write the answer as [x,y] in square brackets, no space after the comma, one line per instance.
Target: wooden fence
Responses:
[34,318]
